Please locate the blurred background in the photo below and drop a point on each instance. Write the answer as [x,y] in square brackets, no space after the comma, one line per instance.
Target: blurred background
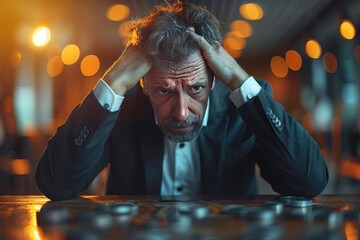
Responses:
[52,53]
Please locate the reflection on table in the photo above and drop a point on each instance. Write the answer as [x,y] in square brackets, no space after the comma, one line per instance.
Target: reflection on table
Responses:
[203,217]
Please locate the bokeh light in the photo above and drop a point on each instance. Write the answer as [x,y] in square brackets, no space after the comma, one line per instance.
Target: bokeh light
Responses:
[293,60]
[41,36]
[329,62]
[70,54]
[313,49]
[234,41]
[90,65]
[279,67]
[55,66]
[118,12]
[251,11]
[20,166]
[243,28]
[347,29]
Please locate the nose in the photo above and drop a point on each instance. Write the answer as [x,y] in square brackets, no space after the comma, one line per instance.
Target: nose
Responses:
[181,110]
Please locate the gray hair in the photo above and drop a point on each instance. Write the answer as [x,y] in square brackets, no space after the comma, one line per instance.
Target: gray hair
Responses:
[162,33]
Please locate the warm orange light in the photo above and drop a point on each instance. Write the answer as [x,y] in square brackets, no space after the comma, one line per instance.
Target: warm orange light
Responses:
[278,66]
[347,29]
[350,167]
[55,66]
[233,53]
[233,41]
[293,60]
[313,49]
[329,62]
[31,228]
[118,12]
[244,28]
[90,65]
[70,54]
[352,230]
[15,59]
[41,36]
[251,11]
[20,166]
[124,28]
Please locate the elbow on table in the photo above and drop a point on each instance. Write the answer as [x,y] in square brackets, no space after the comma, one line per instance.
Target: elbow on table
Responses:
[317,184]
[53,191]
[313,186]
[315,181]
[309,186]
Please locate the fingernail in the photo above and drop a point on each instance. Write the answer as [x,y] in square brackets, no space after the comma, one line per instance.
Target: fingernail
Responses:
[188,31]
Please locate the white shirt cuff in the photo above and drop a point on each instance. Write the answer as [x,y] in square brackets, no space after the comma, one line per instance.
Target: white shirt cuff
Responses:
[249,89]
[107,97]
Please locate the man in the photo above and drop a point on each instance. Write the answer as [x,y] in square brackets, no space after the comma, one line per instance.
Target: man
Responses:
[182,131]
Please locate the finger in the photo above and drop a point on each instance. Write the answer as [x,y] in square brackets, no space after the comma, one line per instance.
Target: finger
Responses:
[200,40]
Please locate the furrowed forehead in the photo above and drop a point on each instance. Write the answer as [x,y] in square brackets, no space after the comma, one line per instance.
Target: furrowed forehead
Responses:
[193,68]
[193,71]
[191,63]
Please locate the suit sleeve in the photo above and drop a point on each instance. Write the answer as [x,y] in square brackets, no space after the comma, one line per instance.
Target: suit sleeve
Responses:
[76,154]
[288,157]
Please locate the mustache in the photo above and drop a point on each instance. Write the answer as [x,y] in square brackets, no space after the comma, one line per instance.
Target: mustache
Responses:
[171,122]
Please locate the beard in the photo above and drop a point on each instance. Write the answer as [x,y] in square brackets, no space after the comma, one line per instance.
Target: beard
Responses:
[169,125]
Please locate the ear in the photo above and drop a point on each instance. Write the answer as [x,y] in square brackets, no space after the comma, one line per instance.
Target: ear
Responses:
[142,84]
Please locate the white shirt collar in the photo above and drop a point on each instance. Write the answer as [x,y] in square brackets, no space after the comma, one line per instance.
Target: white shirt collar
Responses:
[206,115]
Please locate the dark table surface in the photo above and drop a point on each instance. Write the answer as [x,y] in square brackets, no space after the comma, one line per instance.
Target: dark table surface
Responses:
[202,217]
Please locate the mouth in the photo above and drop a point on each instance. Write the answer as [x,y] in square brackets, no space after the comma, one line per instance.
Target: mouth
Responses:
[180,129]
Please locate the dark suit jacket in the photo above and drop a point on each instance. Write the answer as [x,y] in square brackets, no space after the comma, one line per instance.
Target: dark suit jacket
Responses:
[260,131]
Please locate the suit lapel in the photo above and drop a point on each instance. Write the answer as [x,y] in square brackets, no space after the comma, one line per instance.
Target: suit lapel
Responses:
[211,140]
[152,147]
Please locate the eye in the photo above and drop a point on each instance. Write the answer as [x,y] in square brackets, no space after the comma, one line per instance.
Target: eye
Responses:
[163,91]
[196,89]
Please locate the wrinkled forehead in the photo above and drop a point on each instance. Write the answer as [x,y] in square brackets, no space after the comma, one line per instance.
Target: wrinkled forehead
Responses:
[193,67]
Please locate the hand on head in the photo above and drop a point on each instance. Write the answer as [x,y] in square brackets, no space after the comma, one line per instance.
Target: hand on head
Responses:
[225,68]
[128,69]
[161,37]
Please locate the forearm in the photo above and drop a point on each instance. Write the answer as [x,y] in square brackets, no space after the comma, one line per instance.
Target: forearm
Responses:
[127,70]
[288,157]
[74,155]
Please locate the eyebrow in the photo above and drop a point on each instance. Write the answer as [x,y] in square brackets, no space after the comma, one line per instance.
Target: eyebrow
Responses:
[168,86]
